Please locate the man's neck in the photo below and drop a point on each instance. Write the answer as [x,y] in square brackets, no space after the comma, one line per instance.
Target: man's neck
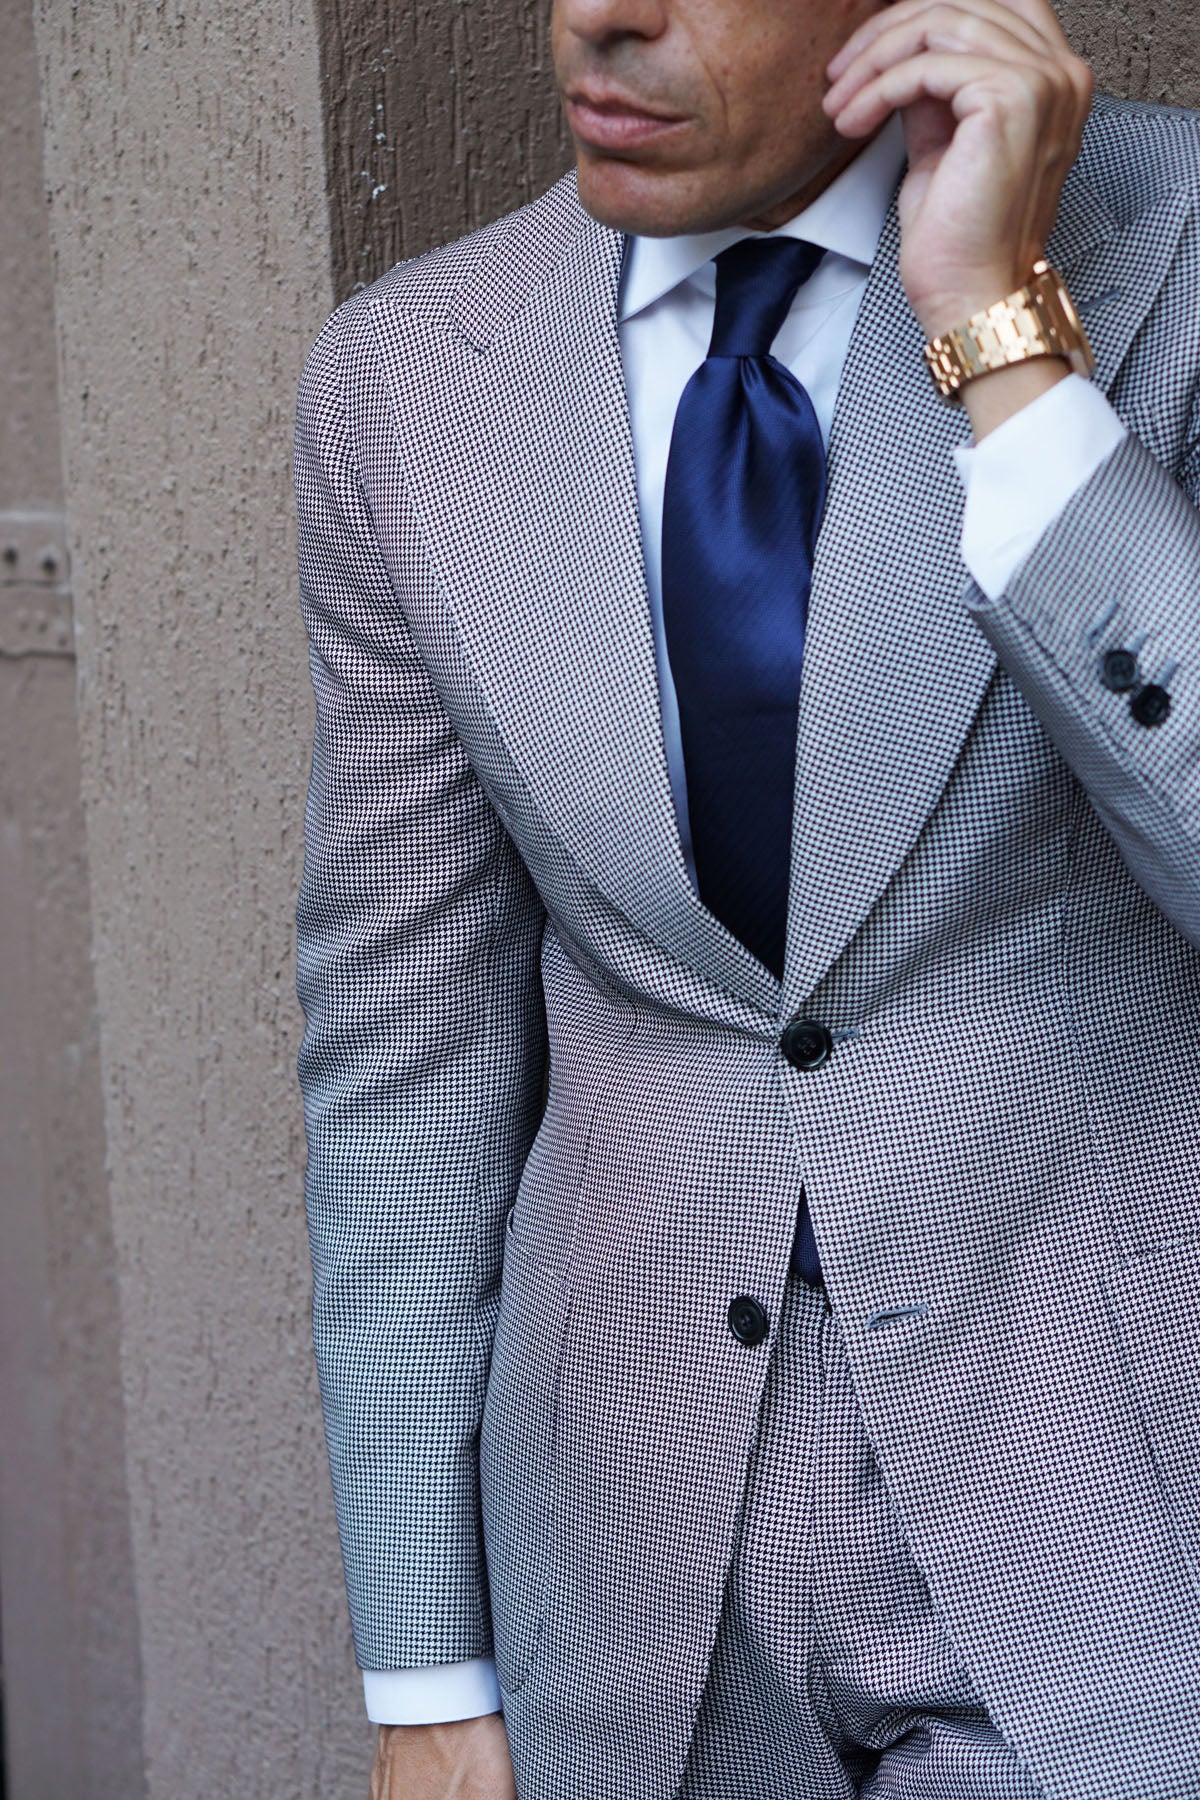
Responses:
[775,216]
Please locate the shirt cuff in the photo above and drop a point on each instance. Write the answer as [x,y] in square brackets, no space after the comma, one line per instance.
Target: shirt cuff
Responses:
[1022,475]
[434,1695]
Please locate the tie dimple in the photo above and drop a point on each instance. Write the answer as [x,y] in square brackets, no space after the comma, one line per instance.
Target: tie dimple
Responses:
[757,280]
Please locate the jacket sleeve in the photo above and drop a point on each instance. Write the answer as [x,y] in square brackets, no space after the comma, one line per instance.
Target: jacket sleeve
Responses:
[418,938]
[1119,570]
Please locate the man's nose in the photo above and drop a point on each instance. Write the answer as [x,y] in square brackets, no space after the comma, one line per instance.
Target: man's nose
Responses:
[600,21]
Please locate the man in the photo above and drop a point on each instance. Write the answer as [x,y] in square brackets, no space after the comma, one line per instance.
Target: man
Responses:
[752,896]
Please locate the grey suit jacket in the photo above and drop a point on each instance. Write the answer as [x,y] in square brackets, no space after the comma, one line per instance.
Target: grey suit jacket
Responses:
[995,907]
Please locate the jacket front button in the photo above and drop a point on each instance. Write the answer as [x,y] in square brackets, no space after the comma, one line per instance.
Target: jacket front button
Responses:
[1151,706]
[806,1044]
[748,1322]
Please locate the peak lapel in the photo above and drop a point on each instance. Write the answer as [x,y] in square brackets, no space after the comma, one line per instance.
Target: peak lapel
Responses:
[895,669]
[526,488]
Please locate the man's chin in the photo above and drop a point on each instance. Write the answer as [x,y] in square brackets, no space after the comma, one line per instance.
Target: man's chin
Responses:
[643,201]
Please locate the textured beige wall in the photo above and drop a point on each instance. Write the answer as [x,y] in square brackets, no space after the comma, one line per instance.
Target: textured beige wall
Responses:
[189,227]
[68,1621]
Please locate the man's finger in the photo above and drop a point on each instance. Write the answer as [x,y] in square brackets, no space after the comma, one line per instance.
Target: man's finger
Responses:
[1001,13]
[1042,17]
[940,29]
[1028,89]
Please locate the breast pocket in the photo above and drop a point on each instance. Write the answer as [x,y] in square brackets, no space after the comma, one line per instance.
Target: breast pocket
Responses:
[517,1449]
[1155,1303]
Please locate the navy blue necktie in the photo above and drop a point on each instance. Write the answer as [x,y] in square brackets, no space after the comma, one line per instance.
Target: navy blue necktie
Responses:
[744,494]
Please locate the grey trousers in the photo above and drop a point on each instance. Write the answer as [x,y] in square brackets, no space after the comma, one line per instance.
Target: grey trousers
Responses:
[833,1674]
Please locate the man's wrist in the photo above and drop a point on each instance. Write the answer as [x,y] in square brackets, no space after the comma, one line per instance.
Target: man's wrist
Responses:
[951,307]
[1002,354]
[991,400]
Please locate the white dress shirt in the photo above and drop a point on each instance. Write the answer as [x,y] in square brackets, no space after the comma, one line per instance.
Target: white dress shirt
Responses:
[1017,482]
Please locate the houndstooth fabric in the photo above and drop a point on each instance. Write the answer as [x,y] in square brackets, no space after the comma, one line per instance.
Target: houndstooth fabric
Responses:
[993,908]
[833,1674]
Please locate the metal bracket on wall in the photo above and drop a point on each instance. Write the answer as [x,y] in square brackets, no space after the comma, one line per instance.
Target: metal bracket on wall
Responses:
[36,617]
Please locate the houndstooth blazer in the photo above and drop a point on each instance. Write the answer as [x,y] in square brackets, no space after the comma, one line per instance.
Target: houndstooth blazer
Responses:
[995,908]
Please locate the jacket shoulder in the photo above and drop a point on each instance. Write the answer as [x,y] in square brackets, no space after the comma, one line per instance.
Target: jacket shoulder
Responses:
[1135,155]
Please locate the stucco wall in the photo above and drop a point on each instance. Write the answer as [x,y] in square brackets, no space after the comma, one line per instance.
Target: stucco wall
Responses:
[190,235]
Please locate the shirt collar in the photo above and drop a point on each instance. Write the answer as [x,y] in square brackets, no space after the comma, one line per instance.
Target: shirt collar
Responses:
[847,218]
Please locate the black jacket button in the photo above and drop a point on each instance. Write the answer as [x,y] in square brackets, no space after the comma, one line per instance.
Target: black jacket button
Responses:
[1118,671]
[806,1044]
[1151,705]
[748,1322]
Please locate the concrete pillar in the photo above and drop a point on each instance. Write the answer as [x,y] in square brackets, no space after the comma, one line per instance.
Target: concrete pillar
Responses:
[184,163]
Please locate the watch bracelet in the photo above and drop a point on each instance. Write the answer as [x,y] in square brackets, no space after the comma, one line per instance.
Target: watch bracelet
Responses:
[1031,323]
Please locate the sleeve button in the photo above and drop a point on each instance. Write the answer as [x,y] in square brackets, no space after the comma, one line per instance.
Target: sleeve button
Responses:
[1118,671]
[1151,705]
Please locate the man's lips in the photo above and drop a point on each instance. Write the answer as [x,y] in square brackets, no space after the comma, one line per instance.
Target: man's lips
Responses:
[613,122]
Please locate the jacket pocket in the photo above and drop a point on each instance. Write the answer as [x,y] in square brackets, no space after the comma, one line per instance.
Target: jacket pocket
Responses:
[517,1448]
[1155,1305]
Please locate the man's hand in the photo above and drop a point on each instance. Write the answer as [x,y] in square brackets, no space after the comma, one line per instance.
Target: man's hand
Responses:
[467,1760]
[994,103]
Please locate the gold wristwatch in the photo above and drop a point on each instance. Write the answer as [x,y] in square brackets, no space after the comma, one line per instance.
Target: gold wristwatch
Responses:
[1038,320]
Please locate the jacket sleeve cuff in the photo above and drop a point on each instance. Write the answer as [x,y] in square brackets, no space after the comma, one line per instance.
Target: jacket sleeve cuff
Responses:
[432,1696]
[1021,477]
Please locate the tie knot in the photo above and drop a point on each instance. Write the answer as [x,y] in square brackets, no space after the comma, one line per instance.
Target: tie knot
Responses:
[757,280]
